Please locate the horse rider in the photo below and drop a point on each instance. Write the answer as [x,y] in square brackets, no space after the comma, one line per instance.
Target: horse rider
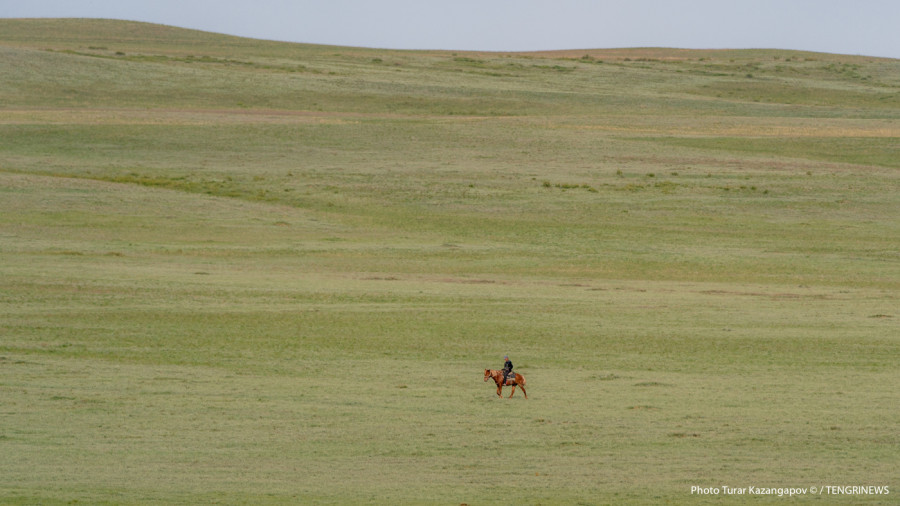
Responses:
[507,368]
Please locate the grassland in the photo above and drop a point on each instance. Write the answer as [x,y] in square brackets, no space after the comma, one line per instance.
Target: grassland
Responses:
[242,271]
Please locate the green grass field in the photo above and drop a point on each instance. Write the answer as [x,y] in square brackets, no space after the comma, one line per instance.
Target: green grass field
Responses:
[247,272]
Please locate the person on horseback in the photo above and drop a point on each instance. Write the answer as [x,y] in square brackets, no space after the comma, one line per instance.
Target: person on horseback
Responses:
[507,368]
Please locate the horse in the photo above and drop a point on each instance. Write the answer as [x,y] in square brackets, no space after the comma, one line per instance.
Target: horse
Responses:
[514,379]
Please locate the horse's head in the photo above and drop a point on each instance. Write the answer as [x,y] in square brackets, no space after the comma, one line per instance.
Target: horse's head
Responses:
[487,374]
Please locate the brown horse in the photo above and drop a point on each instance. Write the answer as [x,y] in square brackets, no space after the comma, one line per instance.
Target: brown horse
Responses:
[497,376]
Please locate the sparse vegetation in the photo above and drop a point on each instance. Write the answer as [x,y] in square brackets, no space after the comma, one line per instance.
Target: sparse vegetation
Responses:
[274,273]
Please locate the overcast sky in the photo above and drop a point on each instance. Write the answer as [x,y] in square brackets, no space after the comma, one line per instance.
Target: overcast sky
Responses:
[867,27]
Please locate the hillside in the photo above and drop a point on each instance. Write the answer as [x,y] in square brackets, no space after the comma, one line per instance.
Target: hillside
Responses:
[195,68]
[235,270]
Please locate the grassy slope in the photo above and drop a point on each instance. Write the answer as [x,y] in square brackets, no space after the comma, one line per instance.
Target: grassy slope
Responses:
[691,255]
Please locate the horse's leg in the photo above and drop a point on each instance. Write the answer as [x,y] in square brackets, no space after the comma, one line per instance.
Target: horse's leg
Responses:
[523,391]
[499,390]
[513,391]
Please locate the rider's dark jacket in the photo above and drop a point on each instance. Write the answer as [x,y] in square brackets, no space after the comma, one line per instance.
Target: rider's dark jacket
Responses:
[507,368]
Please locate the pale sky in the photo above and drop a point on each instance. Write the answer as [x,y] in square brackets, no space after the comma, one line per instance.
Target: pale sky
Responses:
[866,27]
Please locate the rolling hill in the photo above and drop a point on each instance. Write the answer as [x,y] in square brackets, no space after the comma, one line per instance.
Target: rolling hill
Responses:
[236,270]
